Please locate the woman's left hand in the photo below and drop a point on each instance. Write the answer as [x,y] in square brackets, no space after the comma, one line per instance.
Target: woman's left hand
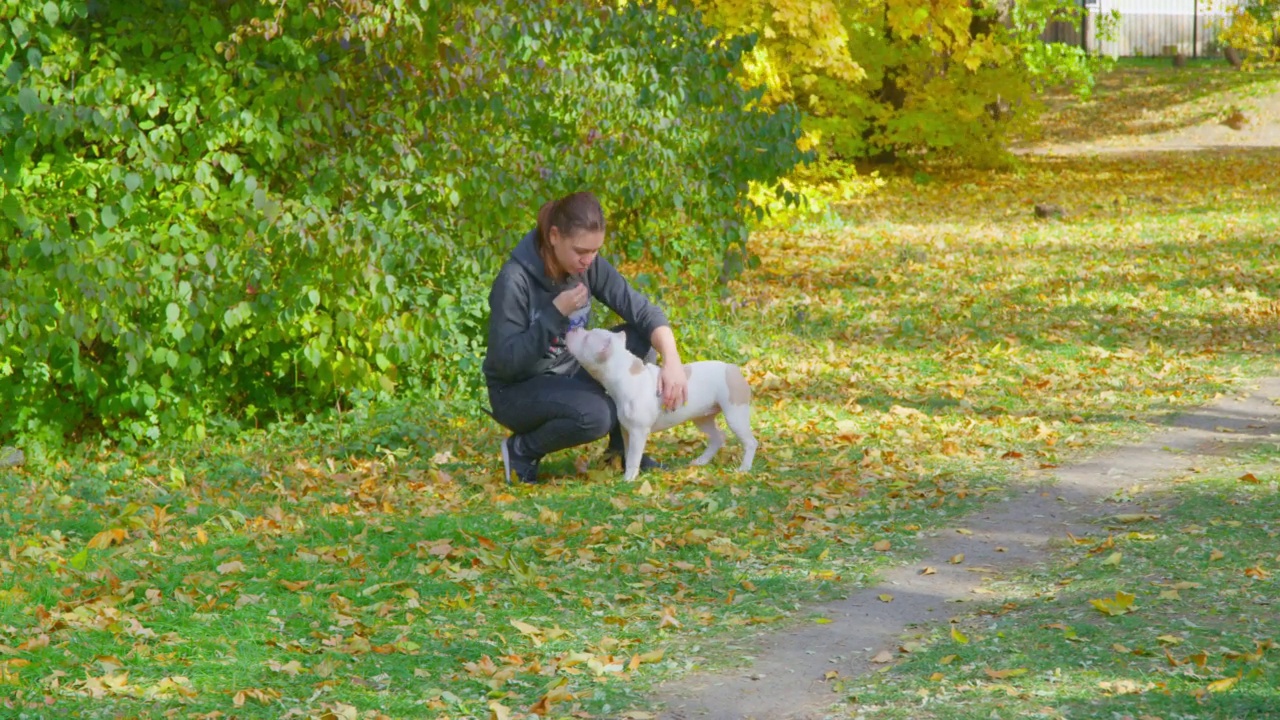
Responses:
[673,385]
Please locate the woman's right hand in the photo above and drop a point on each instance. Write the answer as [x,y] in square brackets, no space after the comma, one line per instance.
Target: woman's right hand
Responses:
[572,300]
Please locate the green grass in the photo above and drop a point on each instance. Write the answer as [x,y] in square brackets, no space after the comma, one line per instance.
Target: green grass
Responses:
[909,356]
[1196,642]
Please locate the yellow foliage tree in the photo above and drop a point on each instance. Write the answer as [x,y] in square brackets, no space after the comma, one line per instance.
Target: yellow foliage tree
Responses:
[1254,29]
[898,77]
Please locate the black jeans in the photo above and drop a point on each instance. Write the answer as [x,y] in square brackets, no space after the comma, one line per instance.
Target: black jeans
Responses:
[553,412]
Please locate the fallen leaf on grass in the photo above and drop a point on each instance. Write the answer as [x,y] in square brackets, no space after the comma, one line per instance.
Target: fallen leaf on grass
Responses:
[1113,560]
[292,668]
[947,659]
[1249,478]
[1249,657]
[263,696]
[668,618]
[1257,573]
[1119,605]
[959,636]
[234,566]
[881,546]
[1124,687]
[1002,674]
[884,656]
[107,538]
[1216,555]
[1223,685]
[1128,518]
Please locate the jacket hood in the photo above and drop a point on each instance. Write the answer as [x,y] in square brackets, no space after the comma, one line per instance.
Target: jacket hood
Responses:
[526,253]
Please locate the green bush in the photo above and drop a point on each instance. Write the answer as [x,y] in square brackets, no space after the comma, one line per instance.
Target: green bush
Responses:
[241,208]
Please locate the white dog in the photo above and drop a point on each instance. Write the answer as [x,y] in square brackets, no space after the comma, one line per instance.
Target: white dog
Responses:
[714,388]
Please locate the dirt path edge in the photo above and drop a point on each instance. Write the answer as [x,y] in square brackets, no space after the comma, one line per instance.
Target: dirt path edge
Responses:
[786,681]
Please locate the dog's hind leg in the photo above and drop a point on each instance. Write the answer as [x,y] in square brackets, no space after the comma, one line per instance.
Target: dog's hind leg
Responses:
[738,418]
[715,438]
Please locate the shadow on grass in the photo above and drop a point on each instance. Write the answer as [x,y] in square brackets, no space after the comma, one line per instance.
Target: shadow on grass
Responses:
[1142,99]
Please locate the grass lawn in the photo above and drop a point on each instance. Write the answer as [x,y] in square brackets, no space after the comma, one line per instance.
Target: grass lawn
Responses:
[1172,616]
[909,356]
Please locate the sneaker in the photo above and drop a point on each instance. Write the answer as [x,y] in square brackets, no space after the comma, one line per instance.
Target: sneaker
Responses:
[524,467]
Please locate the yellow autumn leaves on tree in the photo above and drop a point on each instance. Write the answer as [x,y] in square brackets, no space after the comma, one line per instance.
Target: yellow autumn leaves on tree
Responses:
[892,77]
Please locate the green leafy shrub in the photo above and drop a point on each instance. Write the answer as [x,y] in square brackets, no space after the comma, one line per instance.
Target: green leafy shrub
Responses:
[245,208]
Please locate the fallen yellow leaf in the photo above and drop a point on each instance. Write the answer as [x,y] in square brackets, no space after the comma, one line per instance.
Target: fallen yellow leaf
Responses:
[885,597]
[1119,605]
[1224,684]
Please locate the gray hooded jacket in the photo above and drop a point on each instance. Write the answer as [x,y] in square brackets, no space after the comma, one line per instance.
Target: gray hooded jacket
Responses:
[526,330]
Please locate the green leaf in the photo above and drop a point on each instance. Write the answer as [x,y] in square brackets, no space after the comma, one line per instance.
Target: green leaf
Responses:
[28,101]
[51,13]
[12,209]
[80,559]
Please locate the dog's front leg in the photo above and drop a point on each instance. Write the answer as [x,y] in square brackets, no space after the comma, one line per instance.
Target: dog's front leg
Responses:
[636,437]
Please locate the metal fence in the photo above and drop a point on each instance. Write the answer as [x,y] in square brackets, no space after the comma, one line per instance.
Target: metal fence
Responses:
[1147,27]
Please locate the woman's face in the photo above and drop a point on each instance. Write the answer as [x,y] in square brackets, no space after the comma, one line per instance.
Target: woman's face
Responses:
[575,252]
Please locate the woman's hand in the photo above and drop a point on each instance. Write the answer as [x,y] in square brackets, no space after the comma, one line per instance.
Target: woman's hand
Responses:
[572,300]
[673,385]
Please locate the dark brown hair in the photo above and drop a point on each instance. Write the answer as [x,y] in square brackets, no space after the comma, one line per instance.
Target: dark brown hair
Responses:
[569,214]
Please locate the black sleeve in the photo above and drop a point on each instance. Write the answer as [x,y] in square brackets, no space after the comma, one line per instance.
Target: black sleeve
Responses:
[613,290]
[518,339]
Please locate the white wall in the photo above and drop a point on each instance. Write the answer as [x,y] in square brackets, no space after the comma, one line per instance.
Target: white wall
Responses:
[1154,27]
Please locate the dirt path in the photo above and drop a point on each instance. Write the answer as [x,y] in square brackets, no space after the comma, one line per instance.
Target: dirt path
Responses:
[786,680]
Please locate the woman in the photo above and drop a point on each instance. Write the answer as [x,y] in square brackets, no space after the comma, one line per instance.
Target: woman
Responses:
[536,388]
